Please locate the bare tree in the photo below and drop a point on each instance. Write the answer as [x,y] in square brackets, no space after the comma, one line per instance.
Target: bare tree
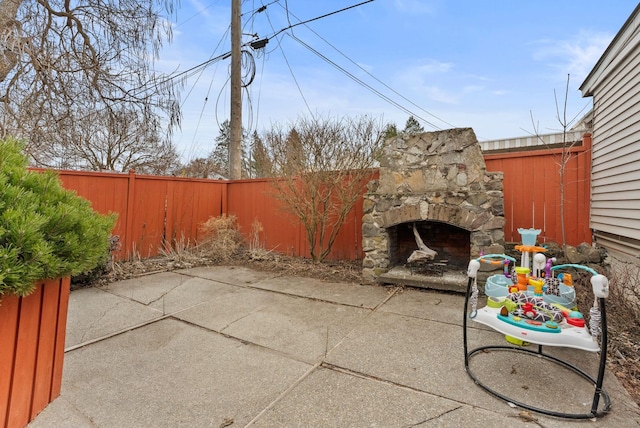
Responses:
[117,141]
[323,165]
[565,155]
[62,62]
[199,168]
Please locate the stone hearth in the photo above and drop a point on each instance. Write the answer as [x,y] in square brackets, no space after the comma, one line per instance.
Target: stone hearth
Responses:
[437,181]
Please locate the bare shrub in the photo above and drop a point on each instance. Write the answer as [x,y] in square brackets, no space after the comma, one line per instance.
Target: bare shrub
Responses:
[323,166]
[623,307]
[256,250]
[623,313]
[624,288]
[222,239]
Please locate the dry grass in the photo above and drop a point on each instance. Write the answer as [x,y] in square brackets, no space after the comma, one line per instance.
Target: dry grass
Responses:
[338,271]
[623,331]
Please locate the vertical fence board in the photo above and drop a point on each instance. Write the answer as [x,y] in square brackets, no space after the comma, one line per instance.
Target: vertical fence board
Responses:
[25,360]
[46,346]
[210,204]
[190,204]
[61,328]
[150,209]
[148,221]
[254,201]
[8,333]
[107,192]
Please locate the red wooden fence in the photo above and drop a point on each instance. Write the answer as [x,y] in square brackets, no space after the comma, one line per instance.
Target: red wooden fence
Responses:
[532,192]
[157,211]
[253,201]
[152,211]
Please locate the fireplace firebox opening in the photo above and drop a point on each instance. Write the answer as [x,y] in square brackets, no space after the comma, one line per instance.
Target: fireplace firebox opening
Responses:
[452,243]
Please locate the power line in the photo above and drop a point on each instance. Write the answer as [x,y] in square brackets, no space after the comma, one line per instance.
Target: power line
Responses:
[320,17]
[291,70]
[380,81]
[193,70]
[364,84]
[200,12]
[372,76]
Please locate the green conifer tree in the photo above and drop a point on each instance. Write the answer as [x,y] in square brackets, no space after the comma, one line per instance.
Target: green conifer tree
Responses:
[412,127]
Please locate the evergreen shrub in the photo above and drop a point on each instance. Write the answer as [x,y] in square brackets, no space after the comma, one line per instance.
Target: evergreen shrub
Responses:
[46,231]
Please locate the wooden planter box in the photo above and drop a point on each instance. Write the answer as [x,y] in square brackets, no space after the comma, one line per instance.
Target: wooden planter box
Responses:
[32,335]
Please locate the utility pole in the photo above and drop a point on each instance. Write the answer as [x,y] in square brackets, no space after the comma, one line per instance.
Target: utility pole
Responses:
[235,145]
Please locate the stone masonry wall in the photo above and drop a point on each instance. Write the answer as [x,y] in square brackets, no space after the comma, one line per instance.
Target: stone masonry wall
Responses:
[434,176]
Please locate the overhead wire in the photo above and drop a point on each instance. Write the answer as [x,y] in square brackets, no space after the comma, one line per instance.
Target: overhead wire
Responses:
[319,17]
[222,89]
[363,84]
[262,8]
[343,70]
[186,74]
[245,86]
[286,4]
[248,66]
[290,69]
[200,12]
[260,91]
[224,36]
[206,99]
[249,89]
[370,74]
[191,71]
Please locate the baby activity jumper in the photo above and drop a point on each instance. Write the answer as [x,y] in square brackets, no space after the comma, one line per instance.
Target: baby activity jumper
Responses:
[535,304]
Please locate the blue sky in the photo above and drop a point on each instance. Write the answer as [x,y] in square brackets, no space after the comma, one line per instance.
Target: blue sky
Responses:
[489,65]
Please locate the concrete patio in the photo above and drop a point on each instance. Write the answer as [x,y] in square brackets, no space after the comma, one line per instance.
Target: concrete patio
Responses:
[229,346]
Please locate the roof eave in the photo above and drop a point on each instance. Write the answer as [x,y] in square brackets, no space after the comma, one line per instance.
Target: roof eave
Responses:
[588,84]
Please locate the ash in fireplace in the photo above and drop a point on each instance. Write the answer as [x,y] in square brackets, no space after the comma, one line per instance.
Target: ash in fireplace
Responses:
[429,267]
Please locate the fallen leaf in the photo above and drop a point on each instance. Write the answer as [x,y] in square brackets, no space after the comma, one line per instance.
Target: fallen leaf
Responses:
[226,423]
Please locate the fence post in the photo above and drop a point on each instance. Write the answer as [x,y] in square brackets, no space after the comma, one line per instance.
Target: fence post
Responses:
[224,199]
[128,239]
[587,147]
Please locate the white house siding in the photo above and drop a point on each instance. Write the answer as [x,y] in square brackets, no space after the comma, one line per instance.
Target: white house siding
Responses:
[615,177]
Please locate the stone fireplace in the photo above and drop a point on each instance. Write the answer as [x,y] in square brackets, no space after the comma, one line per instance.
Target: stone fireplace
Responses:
[435,184]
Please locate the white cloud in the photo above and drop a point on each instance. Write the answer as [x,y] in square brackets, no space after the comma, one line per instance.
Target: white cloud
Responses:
[437,81]
[576,56]
[436,93]
[422,75]
[199,7]
[432,66]
[414,6]
[472,88]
